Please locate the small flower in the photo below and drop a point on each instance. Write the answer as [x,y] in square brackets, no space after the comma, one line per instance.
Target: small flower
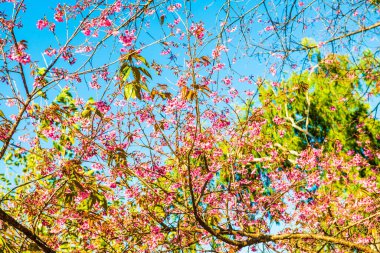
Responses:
[321,44]
[218,50]
[127,38]
[198,30]
[227,81]
[233,92]
[102,106]
[50,51]
[86,32]
[10,102]
[277,120]
[42,23]
[273,70]
[58,16]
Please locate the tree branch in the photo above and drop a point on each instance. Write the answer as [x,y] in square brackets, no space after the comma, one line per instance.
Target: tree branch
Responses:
[15,224]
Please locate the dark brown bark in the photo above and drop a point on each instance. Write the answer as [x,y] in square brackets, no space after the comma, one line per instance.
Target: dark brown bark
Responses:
[27,232]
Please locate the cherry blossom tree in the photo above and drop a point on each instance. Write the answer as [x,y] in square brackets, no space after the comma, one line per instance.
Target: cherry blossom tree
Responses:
[189,126]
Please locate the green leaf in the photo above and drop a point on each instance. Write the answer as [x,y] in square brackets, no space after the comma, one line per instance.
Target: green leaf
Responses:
[144,87]
[142,59]
[130,91]
[86,113]
[8,157]
[89,173]
[308,42]
[90,101]
[125,73]
[78,185]
[42,94]
[41,71]
[136,74]
[145,72]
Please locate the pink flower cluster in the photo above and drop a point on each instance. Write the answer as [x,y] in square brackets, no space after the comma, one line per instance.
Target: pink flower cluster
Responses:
[277,120]
[18,54]
[218,66]
[198,30]
[127,38]
[102,106]
[173,8]
[50,51]
[52,132]
[94,84]
[96,22]
[227,80]
[42,23]
[67,55]
[58,16]
[218,50]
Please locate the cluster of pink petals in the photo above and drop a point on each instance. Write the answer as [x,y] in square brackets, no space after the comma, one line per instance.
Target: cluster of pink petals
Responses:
[42,23]
[18,54]
[127,38]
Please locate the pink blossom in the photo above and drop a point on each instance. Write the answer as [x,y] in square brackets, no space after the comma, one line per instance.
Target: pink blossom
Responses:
[249,92]
[273,70]
[52,132]
[233,29]
[96,166]
[79,101]
[58,16]
[102,106]
[165,51]
[85,225]
[42,23]
[50,51]
[17,54]
[127,38]
[218,66]
[227,81]
[173,8]
[24,138]
[217,51]
[233,92]
[198,30]
[52,27]
[277,120]
[83,195]
[84,49]
[105,22]
[116,7]
[86,32]
[95,85]
[10,102]
[176,22]
[321,44]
